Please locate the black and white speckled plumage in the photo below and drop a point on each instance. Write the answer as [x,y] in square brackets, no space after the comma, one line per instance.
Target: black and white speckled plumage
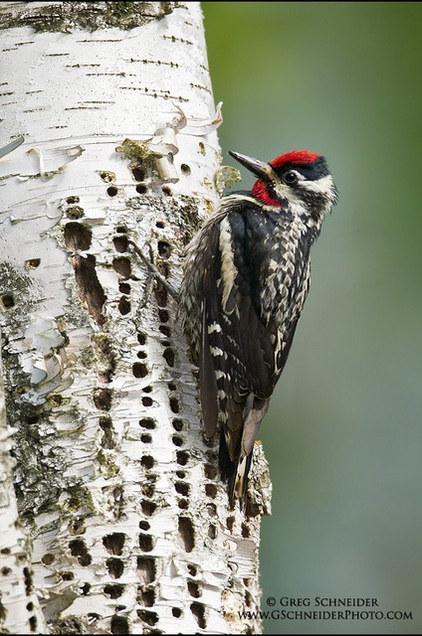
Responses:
[246,278]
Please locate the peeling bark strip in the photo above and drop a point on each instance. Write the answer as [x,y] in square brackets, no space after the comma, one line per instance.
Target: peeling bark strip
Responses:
[118,494]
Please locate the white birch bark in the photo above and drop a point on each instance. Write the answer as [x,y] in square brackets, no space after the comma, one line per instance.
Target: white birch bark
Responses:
[125,520]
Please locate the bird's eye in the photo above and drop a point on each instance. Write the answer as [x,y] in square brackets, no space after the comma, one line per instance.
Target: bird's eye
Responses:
[290,177]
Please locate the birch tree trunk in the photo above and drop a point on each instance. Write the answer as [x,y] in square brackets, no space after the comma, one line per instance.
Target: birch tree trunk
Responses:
[124,525]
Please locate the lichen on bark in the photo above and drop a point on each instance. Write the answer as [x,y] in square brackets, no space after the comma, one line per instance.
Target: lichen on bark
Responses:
[64,16]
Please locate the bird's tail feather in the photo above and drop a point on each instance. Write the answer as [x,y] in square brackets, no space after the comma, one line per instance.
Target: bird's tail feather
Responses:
[234,472]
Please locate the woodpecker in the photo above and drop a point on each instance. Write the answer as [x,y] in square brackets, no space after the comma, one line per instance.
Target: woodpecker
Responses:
[245,280]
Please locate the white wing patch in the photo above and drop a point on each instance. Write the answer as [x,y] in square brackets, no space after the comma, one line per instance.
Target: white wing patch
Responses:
[228,268]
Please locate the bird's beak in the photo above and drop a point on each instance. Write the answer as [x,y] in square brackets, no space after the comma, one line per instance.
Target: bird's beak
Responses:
[259,168]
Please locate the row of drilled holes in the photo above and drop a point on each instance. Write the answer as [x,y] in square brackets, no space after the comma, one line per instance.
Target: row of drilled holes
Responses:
[185,526]
[139,175]
[119,624]
[148,507]
[114,544]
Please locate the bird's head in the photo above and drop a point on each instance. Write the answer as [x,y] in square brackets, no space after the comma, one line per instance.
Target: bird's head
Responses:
[299,180]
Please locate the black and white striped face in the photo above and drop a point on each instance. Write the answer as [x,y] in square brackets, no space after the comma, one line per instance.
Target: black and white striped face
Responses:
[310,183]
[299,179]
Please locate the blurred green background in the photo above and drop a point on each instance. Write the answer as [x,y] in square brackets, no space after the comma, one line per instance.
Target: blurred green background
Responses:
[343,436]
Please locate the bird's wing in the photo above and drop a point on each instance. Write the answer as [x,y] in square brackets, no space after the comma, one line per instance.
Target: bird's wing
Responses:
[235,342]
